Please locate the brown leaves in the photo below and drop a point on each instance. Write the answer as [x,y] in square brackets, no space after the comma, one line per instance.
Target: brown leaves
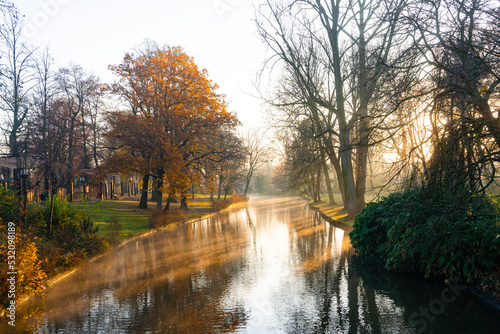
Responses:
[175,107]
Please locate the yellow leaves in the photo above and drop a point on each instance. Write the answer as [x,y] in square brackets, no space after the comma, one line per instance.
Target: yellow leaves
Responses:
[177,107]
[483,89]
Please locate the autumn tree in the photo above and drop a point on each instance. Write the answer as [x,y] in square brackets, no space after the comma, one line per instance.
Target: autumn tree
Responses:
[164,86]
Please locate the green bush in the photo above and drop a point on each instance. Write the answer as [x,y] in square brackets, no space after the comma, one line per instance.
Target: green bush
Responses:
[114,228]
[9,206]
[455,236]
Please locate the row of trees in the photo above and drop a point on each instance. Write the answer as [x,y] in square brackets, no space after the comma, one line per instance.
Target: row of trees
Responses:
[162,119]
[393,78]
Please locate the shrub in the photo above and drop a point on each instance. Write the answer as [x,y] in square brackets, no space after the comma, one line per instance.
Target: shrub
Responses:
[114,228]
[9,206]
[162,218]
[455,236]
[30,275]
[73,239]
[221,204]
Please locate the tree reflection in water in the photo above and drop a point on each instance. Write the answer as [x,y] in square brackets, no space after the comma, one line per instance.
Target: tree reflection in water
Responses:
[269,266]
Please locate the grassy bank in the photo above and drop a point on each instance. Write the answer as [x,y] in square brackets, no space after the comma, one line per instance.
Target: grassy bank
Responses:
[336,212]
[135,221]
[81,231]
[333,212]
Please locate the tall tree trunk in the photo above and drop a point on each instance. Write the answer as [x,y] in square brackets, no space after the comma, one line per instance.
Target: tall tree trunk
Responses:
[143,204]
[331,198]
[348,172]
[159,190]
[51,214]
[328,148]
[154,192]
[365,92]
[247,184]
[318,186]
[169,200]
[362,163]
[219,190]
[184,205]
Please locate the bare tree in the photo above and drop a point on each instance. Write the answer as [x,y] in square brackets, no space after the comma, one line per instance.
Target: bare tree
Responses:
[43,98]
[338,56]
[77,87]
[460,44]
[256,150]
[17,79]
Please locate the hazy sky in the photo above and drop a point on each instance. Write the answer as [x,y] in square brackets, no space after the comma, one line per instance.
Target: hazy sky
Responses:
[219,34]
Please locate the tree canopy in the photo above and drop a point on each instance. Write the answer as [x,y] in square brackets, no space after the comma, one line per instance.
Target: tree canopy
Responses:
[173,108]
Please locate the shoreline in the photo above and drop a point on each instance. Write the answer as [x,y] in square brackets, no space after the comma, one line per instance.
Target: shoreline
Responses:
[53,280]
[488,299]
[334,222]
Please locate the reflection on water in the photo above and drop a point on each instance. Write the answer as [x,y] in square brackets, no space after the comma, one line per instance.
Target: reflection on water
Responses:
[271,266]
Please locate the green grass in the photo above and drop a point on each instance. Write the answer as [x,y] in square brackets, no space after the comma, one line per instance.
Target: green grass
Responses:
[135,221]
[336,211]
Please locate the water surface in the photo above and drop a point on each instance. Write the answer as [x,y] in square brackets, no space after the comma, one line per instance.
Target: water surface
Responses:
[269,266]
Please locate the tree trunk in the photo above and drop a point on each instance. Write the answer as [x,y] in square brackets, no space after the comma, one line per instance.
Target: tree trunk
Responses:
[143,204]
[247,185]
[329,189]
[219,190]
[154,192]
[51,213]
[70,190]
[318,186]
[169,200]
[184,205]
[159,190]
[361,164]
[348,173]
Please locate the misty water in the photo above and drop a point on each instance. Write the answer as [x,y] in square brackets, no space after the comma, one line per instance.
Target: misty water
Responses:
[268,266]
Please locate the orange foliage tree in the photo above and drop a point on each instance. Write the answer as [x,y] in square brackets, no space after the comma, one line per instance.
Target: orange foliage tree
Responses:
[174,108]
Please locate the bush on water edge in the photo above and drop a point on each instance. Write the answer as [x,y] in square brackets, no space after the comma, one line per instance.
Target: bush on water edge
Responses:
[221,204]
[73,237]
[453,236]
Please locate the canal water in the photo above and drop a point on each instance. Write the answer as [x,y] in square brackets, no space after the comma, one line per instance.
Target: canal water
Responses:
[267,266]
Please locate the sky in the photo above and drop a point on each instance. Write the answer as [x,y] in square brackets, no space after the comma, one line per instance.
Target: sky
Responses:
[219,34]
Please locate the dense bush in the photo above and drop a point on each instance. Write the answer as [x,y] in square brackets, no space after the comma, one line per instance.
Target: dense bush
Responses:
[163,218]
[72,240]
[114,228]
[10,209]
[30,276]
[455,236]
[221,204]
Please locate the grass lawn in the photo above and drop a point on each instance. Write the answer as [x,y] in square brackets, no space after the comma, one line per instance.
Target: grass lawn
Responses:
[336,211]
[135,221]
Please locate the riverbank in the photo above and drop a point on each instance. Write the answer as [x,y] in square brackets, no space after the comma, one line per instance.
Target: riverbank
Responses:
[120,220]
[135,221]
[485,287]
[334,214]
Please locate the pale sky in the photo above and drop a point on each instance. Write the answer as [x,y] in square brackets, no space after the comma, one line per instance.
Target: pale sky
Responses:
[219,34]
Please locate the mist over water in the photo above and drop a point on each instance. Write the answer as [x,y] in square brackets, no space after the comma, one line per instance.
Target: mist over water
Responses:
[269,266]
